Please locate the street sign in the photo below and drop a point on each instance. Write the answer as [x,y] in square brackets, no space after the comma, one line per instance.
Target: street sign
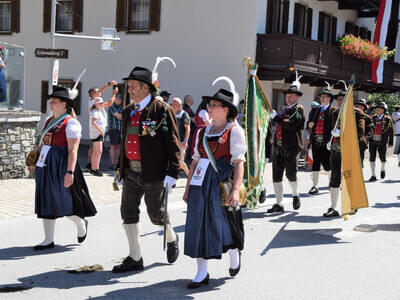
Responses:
[52,53]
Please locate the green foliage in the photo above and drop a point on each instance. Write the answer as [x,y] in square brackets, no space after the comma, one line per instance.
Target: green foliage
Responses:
[390,99]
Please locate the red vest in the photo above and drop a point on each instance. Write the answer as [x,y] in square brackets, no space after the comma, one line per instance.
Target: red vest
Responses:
[219,146]
[319,129]
[132,144]
[57,136]
[378,128]
[278,132]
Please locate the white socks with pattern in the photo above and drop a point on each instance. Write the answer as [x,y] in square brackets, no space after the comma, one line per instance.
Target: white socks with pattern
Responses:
[48,227]
[373,165]
[278,189]
[334,193]
[234,258]
[132,233]
[293,185]
[202,269]
[315,178]
[80,225]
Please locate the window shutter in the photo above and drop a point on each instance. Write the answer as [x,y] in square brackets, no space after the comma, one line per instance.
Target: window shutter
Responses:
[356,30]
[155,15]
[285,16]
[369,35]
[45,91]
[321,26]
[309,22]
[363,32]
[296,29]
[348,28]
[270,9]
[46,15]
[120,18]
[78,16]
[15,15]
[333,30]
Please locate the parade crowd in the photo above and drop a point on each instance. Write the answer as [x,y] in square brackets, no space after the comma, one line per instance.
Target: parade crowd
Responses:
[153,139]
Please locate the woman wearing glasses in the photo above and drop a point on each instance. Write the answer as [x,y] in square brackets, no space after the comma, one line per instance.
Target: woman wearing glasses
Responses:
[219,152]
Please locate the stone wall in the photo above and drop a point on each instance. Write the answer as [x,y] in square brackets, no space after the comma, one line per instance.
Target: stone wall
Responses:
[18,130]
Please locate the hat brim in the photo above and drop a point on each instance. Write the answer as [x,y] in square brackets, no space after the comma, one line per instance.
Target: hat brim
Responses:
[328,94]
[229,104]
[293,92]
[65,99]
[152,87]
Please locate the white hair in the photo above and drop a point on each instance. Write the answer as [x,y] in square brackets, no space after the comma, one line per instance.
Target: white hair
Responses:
[177,99]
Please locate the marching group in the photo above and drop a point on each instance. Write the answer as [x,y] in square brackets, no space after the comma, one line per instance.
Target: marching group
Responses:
[149,142]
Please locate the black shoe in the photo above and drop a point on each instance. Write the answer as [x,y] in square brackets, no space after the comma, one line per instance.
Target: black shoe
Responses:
[234,272]
[372,179]
[263,196]
[96,172]
[275,208]
[313,191]
[113,167]
[195,285]
[128,265]
[43,247]
[173,250]
[383,174]
[296,202]
[331,213]
[81,239]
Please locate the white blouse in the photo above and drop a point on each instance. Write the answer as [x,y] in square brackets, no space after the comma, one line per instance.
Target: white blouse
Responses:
[74,129]
[237,145]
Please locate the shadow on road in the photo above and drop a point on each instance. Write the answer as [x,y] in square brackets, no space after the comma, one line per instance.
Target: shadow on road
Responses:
[302,237]
[22,252]
[390,181]
[171,289]
[386,205]
[61,279]
[377,227]
[177,229]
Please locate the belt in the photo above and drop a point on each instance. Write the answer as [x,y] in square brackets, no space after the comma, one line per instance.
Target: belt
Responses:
[135,166]
[319,138]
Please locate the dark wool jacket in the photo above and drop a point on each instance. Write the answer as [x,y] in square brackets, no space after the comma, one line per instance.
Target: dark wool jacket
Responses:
[292,131]
[160,154]
[360,123]
[387,129]
[314,115]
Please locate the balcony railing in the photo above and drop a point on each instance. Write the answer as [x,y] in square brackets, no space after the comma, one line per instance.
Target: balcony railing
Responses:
[317,62]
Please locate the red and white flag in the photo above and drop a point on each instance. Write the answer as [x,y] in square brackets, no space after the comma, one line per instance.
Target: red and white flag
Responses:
[381,30]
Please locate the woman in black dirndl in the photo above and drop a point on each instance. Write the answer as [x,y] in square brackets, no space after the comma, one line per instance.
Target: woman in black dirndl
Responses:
[212,229]
[61,189]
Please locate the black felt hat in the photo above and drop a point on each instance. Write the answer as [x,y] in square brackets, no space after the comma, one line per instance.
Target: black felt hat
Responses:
[225,97]
[382,105]
[63,94]
[342,93]
[362,102]
[143,75]
[293,89]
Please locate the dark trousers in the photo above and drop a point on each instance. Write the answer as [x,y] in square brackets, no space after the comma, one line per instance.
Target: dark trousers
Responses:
[320,156]
[133,190]
[284,160]
[362,153]
[373,147]
[336,172]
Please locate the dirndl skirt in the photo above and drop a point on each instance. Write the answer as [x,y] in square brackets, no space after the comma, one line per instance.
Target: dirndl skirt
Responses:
[212,229]
[52,199]
[396,149]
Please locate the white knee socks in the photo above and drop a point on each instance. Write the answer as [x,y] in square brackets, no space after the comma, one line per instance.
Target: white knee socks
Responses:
[383,166]
[334,193]
[315,178]
[373,164]
[278,188]
[132,233]
[234,258]
[293,185]
[202,269]
[80,225]
[48,227]
[170,234]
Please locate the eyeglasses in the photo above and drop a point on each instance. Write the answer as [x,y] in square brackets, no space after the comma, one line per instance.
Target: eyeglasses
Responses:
[213,105]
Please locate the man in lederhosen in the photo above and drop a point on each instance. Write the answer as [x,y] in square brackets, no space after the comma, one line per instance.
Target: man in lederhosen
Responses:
[335,158]
[383,135]
[288,142]
[320,125]
[149,162]
[362,106]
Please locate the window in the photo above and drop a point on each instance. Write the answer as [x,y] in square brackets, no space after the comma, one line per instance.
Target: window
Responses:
[277,16]
[327,29]
[278,99]
[69,16]
[9,16]
[302,23]
[67,83]
[138,16]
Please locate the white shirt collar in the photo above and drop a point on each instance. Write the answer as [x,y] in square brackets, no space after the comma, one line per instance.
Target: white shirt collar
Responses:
[380,117]
[325,107]
[179,114]
[291,105]
[144,102]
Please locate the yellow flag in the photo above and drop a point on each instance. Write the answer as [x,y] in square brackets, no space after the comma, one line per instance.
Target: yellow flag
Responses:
[354,195]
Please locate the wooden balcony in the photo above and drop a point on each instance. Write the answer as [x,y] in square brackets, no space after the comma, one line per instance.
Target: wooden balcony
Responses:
[317,62]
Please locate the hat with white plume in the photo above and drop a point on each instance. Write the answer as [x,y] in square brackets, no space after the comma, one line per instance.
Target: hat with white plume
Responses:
[295,87]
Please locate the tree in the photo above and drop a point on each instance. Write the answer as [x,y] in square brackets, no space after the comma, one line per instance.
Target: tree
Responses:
[390,99]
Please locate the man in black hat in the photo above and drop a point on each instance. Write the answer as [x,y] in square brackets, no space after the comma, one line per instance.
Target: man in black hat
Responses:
[320,125]
[288,142]
[165,95]
[149,164]
[362,107]
[382,135]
